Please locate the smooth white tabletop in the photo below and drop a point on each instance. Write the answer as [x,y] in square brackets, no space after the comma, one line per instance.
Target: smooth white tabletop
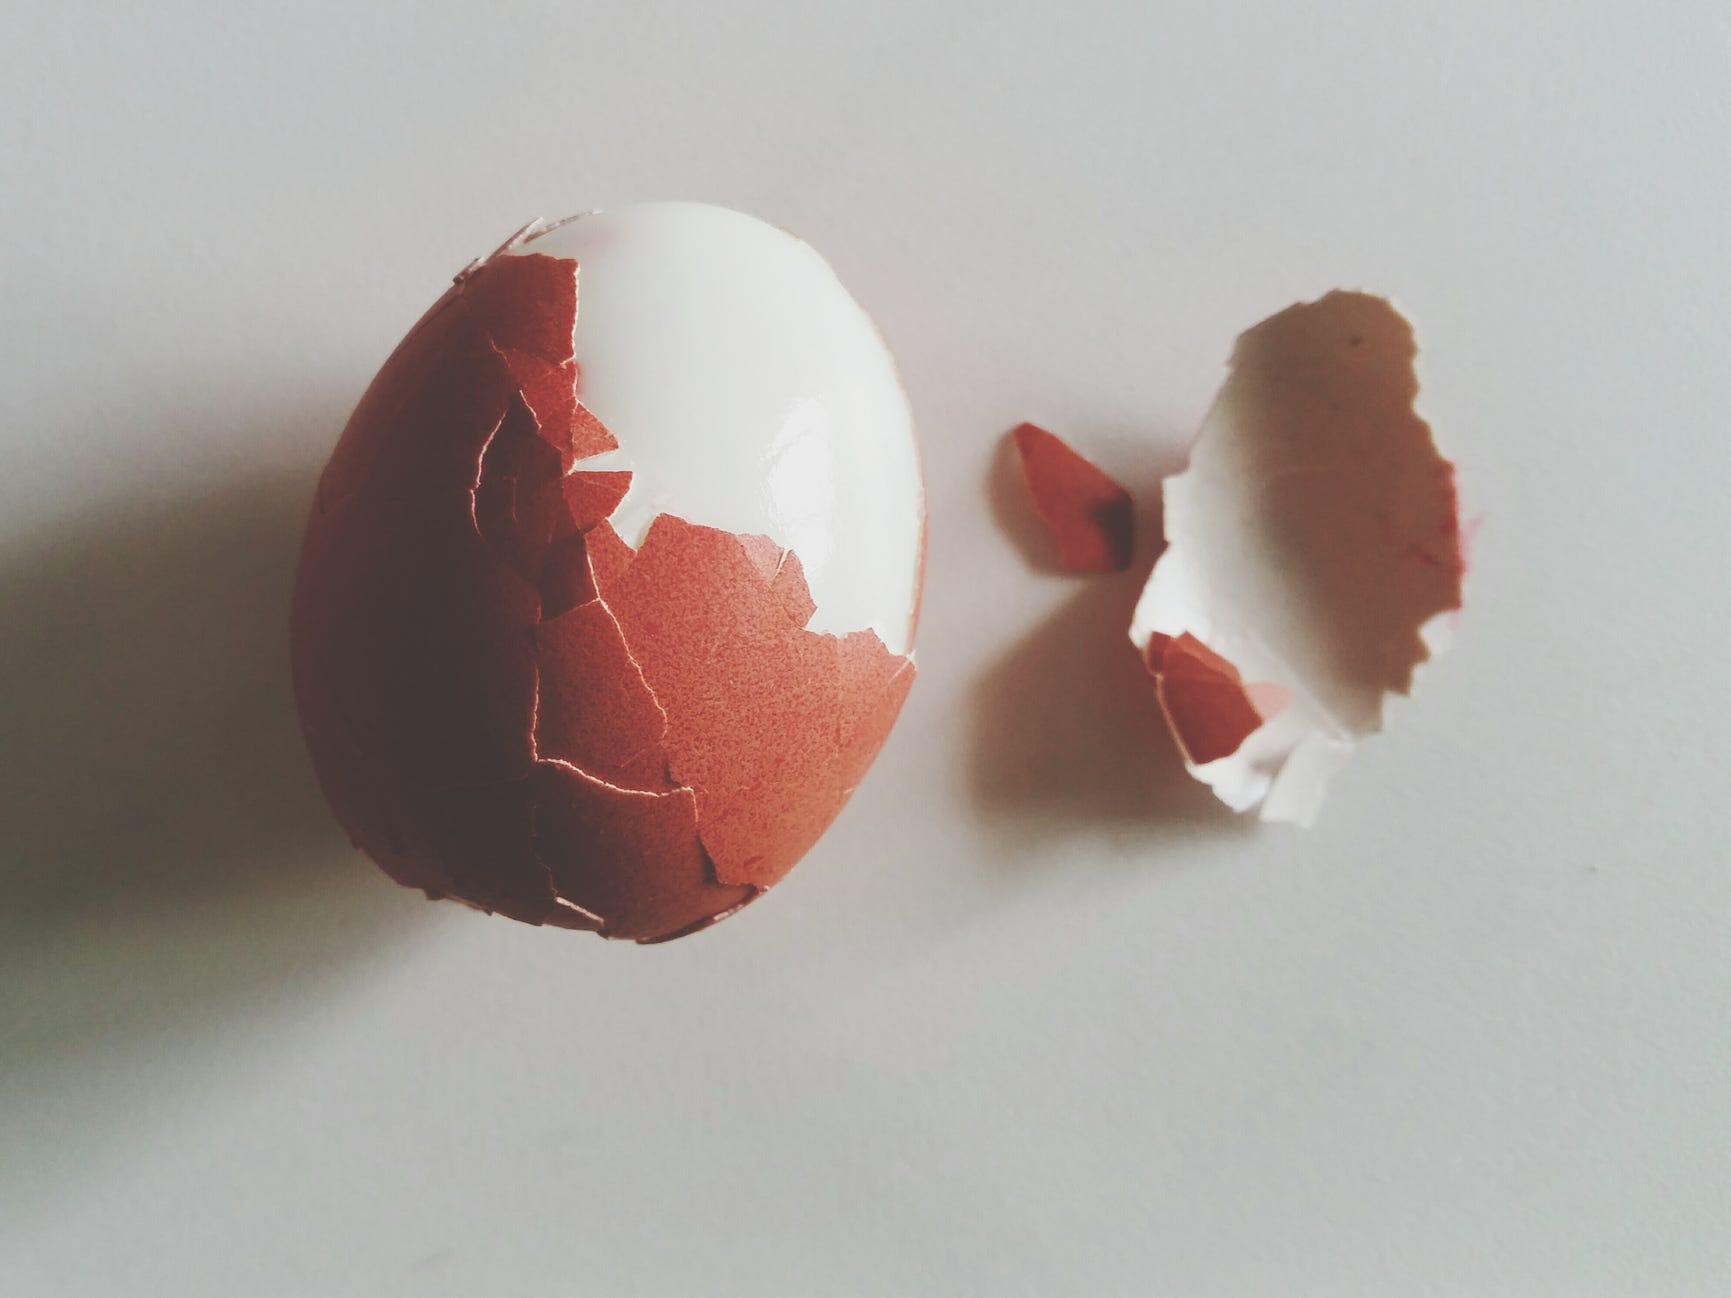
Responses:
[1037,1017]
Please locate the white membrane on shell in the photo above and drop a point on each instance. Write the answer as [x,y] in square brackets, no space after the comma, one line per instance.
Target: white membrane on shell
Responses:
[1293,535]
[748,391]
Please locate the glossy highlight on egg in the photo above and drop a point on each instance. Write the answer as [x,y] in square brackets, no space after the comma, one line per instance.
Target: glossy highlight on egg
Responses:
[607,598]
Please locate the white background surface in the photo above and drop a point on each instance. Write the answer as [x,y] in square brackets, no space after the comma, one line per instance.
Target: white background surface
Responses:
[1035,1018]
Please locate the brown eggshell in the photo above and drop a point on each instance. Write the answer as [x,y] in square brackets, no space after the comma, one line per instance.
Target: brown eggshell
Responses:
[507,704]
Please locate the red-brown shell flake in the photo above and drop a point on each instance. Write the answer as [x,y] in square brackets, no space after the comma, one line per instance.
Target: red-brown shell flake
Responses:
[1090,516]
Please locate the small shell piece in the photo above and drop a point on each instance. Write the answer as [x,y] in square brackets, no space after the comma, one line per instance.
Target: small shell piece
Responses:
[1091,518]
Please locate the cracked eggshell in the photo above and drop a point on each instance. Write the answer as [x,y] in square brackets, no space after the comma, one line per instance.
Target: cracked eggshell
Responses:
[606,600]
[1315,556]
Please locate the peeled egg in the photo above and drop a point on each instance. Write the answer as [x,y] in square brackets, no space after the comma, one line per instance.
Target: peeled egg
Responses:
[607,597]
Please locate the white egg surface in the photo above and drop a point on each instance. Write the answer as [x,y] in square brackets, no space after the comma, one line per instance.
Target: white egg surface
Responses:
[750,392]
